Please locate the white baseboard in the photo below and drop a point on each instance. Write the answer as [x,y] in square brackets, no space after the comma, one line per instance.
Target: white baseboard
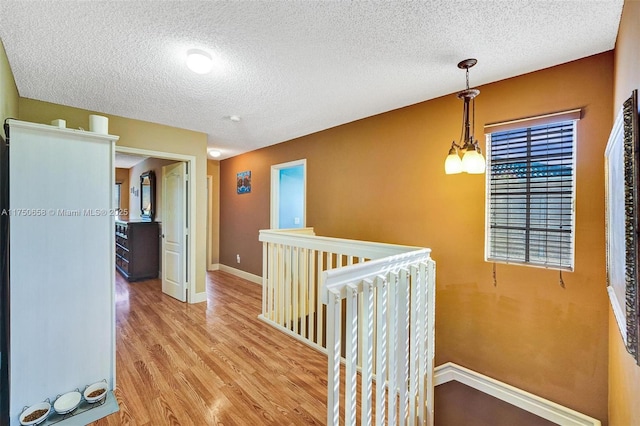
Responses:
[241,274]
[213,267]
[517,397]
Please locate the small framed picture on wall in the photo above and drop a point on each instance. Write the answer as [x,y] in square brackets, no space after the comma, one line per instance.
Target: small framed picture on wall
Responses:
[244,182]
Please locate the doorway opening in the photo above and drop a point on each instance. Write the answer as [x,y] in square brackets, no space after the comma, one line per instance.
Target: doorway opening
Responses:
[289,195]
[187,272]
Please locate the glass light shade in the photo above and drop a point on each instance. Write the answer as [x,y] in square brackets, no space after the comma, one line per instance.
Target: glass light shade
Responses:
[473,162]
[199,61]
[453,164]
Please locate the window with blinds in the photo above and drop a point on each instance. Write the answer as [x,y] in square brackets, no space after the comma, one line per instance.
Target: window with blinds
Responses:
[530,195]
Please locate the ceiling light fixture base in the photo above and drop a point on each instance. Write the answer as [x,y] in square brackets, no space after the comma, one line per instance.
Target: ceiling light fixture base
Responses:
[199,61]
[467,63]
[215,153]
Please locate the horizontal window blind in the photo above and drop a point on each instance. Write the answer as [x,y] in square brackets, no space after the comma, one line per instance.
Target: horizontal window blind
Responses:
[530,216]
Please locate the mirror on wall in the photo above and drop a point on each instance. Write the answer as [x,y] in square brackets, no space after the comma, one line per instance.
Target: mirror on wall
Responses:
[147,195]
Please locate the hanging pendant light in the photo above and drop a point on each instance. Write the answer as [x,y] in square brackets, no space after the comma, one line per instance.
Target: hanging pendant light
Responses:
[472,159]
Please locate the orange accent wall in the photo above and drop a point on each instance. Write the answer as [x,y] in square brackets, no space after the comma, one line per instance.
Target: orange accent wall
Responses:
[382,179]
[624,374]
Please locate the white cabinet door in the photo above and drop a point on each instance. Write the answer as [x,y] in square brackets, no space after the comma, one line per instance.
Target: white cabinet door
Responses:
[61,262]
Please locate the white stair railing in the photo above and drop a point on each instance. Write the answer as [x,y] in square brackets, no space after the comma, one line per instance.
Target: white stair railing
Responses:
[292,266]
[393,299]
[387,294]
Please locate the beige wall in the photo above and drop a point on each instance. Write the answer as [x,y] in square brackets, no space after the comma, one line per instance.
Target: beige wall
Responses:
[8,90]
[155,165]
[382,179]
[150,164]
[213,170]
[122,177]
[142,135]
[624,374]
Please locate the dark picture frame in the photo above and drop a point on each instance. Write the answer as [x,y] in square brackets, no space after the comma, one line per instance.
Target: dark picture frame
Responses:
[622,162]
[147,195]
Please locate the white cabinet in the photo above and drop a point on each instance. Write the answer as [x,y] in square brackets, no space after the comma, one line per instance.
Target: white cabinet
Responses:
[62,310]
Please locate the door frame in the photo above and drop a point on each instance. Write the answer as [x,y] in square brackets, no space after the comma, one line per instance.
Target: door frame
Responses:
[211,265]
[190,161]
[275,191]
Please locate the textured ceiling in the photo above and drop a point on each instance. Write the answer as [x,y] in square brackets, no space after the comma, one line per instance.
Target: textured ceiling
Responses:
[127,161]
[287,68]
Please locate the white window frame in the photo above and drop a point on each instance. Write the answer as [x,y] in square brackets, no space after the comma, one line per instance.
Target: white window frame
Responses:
[573,115]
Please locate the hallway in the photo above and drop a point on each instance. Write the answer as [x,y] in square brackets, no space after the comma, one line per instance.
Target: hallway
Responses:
[211,363]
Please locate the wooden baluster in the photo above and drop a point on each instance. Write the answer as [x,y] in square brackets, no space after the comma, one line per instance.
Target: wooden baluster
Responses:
[381,350]
[295,282]
[421,342]
[271,282]
[366,412]
[287,286]
[403,344]
[361,319]
[281,284]
[320,289]
[313,291]
[304,295]
[351,354]
[265,277]
[414,350]
[430,286]
[392,327]
[328,266]
[334,316]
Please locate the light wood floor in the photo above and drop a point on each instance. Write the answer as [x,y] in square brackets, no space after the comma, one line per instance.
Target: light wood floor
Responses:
[211,363]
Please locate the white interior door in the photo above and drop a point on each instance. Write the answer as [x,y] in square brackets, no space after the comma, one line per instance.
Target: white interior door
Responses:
[174,230]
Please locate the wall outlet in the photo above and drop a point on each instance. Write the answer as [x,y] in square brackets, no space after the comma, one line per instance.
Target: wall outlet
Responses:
[237,258]
[296,221]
